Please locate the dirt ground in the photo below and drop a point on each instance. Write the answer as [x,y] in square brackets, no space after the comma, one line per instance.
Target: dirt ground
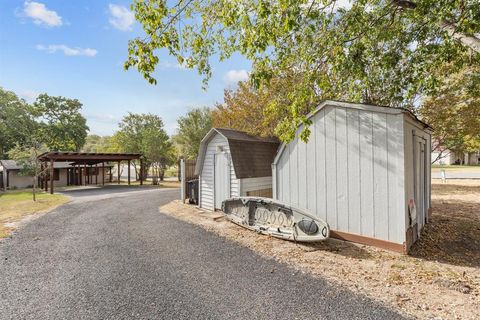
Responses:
[440,279]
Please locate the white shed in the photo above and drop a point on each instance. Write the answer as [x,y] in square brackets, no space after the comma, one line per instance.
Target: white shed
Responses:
[232,163]
[365,170]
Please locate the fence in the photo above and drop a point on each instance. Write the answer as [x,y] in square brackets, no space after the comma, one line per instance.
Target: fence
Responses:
[187,172]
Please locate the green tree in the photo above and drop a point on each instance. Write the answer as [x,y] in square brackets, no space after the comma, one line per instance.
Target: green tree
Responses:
[96,143]
[454,111]
[255,110]
[62,126]
[374,51]
[16,121]
[191,129]
[27,157]
[145,133]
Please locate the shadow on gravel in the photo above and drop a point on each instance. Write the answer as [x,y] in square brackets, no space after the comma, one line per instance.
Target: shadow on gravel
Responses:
[102,190]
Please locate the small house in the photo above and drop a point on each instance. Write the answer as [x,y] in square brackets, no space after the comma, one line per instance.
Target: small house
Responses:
[365,170]
[233,163]
[64,174]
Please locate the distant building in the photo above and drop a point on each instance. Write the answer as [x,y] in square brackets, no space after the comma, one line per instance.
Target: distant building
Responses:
[65,174]
[444,156]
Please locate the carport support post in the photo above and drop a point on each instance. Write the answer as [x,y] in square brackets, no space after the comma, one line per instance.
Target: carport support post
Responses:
[51,176]
[128,172]
[44,174]
[103,173]
[118,173]
[141,172]
[96,173]
[85,173]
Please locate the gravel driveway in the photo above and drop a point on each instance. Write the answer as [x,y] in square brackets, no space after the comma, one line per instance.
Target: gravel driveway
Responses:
[119,258]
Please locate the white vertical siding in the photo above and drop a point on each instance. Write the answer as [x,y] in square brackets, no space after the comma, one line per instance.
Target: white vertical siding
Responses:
[396,177]
[331,167]
[351,170]
[408,127]
[380,182]
[366,173]
[353,173]
[207,173]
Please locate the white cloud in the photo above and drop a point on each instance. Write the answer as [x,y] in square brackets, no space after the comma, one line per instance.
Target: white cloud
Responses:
[234,76]
[28,95]
[120,17]
[170,65]
[41,15]
[67,50]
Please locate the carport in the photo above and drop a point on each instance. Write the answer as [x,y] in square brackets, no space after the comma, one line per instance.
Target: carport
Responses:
[83,162]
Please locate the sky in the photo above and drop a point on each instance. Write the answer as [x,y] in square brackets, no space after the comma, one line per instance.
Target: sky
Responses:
[76,49]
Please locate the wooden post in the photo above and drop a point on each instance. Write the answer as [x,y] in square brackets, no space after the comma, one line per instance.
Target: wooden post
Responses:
[85,173]
[118,173]
[103,173]
[110,175]
[128,172]
[96,173]
[45,177]
[141,172]
[51,176]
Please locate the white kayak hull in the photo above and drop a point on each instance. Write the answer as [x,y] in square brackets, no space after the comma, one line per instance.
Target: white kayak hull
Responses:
[274,218]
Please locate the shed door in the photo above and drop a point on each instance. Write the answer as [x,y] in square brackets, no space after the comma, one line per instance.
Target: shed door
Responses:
[222,179]
[420,182]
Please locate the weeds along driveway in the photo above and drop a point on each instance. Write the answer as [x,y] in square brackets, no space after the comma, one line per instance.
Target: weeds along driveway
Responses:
[119,258]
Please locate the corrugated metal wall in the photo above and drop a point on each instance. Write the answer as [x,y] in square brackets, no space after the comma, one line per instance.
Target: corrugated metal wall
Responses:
[350,173]
[207,173]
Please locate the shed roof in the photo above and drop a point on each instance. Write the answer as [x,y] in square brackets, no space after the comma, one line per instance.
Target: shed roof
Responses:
[252,156]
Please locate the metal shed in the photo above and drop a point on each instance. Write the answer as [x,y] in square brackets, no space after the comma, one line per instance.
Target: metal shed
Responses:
[365,170]
[233,163]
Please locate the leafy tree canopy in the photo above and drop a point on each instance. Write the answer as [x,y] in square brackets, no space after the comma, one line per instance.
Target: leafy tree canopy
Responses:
[191,129]
[374,51]
[145,133]
[454,111]
[96,143]
[62,126]
[16,121]
[256,110]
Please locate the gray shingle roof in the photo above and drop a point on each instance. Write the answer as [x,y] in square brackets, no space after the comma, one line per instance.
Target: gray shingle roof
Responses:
[252,156]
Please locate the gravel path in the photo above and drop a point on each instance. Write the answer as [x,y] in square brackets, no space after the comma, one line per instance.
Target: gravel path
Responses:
[119,258]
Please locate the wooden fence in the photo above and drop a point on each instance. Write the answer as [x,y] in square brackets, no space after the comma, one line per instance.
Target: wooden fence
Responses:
[187,173]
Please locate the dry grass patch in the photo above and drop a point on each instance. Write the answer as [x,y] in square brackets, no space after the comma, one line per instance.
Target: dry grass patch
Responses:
[441,280]
[15,205]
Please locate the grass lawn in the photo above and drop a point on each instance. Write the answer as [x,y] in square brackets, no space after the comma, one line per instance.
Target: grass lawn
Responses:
[439,167]
[14,205]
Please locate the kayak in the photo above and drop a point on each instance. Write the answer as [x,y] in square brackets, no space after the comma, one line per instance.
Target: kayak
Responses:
[274,218]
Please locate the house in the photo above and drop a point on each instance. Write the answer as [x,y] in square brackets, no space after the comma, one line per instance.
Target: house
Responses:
[233,163]
[63,175]
[365,170]
[444,156]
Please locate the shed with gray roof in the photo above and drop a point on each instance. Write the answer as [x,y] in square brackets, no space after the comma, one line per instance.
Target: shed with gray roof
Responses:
[233,163]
